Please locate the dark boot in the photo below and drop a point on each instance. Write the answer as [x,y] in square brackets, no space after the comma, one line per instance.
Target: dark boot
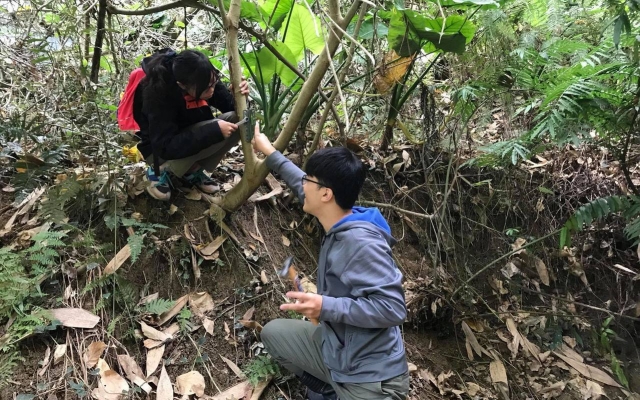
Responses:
[317,389]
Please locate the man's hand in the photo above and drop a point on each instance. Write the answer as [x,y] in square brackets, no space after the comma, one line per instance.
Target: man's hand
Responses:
[308,304]
[227,128]
[244,87]
[261,142]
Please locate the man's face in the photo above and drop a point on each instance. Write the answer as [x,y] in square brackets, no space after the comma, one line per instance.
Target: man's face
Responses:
[313,194]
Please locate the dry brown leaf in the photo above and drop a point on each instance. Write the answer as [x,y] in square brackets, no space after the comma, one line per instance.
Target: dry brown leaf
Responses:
[59,353]
[472,388]
[588,371]
[553,391]
[209,251]
[23,209]
[180,303]
[260,387]
[75,317]
[172,329]
[117,261]
[45,362]
[190,383]
[239,391]
[571,342]
[194,195]
[263,277]
[236,370]
[153,333]
[473,341]
[499,378]
[391,71]
[412,368]
[542,270]
[148,298]
[208,325]
[517,245]
[93,353]
[152,344]
[476,324]
[592,391]
[251,325]
[201,303]
[229,337]
[164,389]
[110,380]
[248,315]
[286,241]
[571,353]
[172,209]
[153,359]
[133,372]
[308,286]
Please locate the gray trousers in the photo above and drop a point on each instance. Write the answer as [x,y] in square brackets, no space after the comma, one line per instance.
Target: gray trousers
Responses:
[297,345]
[208,158]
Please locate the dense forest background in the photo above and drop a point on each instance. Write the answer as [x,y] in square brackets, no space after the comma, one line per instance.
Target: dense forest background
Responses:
[502,140]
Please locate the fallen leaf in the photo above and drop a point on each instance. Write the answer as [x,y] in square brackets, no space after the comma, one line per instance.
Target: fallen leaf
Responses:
[571,342]
[60,351]
[542,270]
[554,390]
[286,241]
[412,368]
[164,389]
[117,261]
[251,325]
[592,391]
[499,377]
[177,307]
[472,388]
[75,317]
[153,333]
[308,286]
[229,337]
[473,341]
[236,370]
[151,344]
[133,372]
[589,371]
[148,298]
[172,209]
[209,251]
[475,324]
[263,277]
[239,391]
[248,315]
[172,329]
[190,383]
[93,353]
[110,380]
[45,362]
[194,195]
[571,353]
[208,325]
[260,387]
[201,303]
[153,359]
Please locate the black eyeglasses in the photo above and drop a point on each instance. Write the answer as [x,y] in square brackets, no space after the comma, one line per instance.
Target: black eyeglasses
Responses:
[304,178]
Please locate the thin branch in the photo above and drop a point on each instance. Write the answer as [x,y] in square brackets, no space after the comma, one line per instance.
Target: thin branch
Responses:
[151,10]
[398,209]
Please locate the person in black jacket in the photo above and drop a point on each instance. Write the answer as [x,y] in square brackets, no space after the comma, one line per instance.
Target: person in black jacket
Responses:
[178,132]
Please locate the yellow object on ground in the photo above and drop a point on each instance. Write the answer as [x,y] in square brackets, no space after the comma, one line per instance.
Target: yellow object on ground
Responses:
[132,153]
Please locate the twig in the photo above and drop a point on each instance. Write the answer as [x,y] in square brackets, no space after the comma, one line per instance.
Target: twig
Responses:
[398,209]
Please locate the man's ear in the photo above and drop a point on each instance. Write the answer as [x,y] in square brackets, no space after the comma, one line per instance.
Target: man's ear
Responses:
[327,196]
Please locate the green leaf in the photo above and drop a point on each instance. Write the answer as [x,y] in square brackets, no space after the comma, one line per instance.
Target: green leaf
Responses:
[104,64]
[544,190]
[51,18]
[304,32]
[25,397]
[264,64]
[179,24]
[617,29]
[485,4]
[282,8]
[402,38]
[367,29]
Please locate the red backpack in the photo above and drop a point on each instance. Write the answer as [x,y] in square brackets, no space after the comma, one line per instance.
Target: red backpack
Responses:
[126,122]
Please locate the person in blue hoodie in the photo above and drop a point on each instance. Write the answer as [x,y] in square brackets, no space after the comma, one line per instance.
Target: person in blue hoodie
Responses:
[356,351]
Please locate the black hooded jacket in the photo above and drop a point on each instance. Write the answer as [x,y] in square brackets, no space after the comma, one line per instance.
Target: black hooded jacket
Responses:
[162,119]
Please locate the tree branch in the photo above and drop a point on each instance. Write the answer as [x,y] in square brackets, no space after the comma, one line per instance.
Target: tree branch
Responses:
[152,10]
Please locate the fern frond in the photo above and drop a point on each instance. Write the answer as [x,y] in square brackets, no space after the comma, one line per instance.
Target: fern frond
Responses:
[158,306]
[593,211]
[135,243]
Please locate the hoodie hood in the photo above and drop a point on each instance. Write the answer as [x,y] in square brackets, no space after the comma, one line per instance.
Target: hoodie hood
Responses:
[169,56]
[366,218]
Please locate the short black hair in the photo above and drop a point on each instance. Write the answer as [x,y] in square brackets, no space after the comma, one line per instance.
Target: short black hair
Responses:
[193,69]
[340,170]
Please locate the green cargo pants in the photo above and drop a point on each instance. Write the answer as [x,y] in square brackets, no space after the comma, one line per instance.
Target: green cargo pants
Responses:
[208,158]
[297,345]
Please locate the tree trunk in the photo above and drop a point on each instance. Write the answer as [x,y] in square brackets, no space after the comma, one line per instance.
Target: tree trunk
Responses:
[256,172]
[97,48]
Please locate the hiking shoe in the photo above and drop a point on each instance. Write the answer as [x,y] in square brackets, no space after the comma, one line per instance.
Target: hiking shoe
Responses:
[311,395]
[202,181]
[159,186]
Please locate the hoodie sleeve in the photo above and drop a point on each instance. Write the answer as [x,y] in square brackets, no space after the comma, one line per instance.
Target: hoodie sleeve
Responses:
[170,142]
[222,98]
[376,288]
[288,171]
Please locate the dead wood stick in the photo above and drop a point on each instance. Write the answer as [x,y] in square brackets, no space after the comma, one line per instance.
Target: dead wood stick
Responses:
[398,209]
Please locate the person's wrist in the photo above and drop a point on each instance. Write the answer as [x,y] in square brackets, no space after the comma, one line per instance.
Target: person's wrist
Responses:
[268,151]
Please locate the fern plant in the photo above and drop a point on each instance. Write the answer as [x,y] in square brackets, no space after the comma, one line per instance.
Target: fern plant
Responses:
[601,208]
[261,368]
[158,306]
[141,230]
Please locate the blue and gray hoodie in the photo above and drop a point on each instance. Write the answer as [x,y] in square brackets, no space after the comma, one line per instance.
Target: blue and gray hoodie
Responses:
[363,301]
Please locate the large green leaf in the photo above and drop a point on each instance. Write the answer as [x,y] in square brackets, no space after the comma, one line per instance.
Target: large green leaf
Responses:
[264,64]
[304,32]
[281,7]
[402,38]
[484,4]
[248,9]
[367,29]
